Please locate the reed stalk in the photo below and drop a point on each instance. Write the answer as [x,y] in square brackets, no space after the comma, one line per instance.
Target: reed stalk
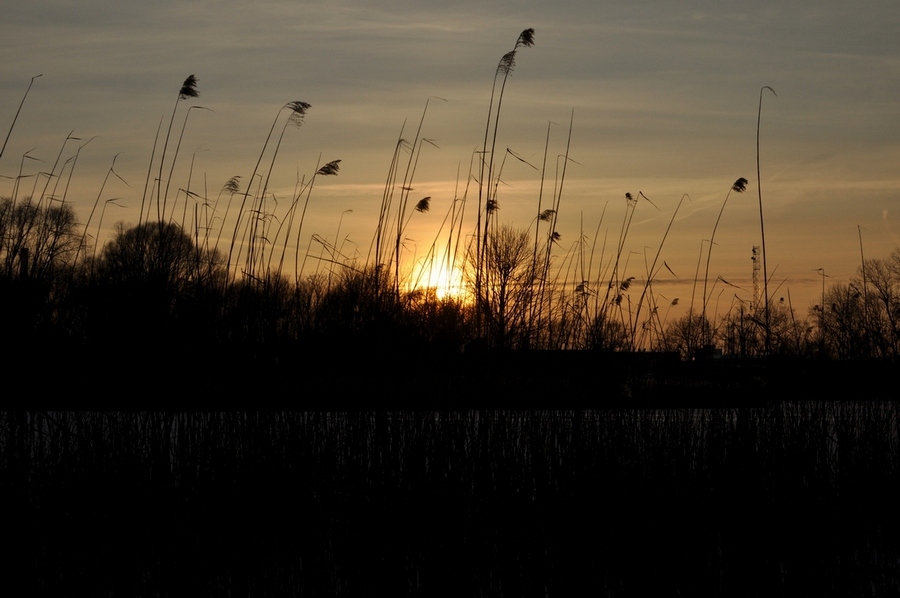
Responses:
[762,228]
[739,186]
[298,111]
[654,270]
[18,111]
[504,68]
[188,90]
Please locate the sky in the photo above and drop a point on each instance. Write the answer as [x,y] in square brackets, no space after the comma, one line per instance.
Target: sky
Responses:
[663,100]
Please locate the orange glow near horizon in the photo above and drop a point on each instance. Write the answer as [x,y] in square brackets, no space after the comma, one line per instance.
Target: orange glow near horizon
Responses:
[446,281]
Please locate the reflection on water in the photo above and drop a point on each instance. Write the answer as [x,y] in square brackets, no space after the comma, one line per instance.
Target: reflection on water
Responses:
[788,499]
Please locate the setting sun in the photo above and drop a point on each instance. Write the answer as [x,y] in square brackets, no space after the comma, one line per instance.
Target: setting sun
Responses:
[446,282]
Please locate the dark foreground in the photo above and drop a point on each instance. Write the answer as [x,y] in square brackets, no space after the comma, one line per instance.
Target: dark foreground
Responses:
[796,499]
[352,377]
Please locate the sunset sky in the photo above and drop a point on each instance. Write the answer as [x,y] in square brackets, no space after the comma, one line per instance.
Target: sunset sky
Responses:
[664,97]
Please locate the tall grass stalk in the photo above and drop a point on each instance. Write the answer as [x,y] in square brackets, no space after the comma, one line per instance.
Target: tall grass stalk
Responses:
[381,234]
[100,221]
[614,280]
[16,117]
[295,119]
[865,288]
[762,228]
[337,249]
[454,263]
[653,271]
[541,299]
[259,214]
[558,184]
[74,162]
[541,217]
[93,209]
[696,276]
[739,186]
[504,68]
[430,256]
[406,187]
[329,169]
[298,110]
[20,176]
[175,155]
[232,186]
[51,175]
[188,90]
[299,186]
[141,217]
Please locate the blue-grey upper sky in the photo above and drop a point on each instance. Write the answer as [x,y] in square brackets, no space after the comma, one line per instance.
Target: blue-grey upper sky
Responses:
[663,97]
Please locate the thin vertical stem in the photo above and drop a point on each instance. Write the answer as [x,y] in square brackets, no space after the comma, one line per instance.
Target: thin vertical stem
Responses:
[762,228]
[16,117]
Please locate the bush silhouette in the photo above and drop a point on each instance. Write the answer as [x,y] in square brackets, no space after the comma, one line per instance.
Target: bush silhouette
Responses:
[36,239]
[152,282]
[158,254]
[38,242]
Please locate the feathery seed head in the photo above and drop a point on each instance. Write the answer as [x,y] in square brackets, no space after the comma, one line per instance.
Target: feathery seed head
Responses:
[546,215]
[424,204]
[330,169]
[507,63]
[628,197]
[491,206]
[526,38]
[233,185]
[188,88]
[298,111]
[740,185]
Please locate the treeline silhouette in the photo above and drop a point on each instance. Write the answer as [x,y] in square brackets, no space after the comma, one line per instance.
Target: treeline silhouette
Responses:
[216,289]
[154,300]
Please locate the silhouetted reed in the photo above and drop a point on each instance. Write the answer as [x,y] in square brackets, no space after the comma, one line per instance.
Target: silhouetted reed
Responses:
[188,90]
[509,290]
[488,156]
[16,117]
[297,111]
[762,229]
[739,186]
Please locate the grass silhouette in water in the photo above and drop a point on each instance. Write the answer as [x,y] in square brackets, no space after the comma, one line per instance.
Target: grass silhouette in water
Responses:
[502,503]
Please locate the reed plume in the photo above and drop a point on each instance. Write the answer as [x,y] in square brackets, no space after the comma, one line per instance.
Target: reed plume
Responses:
[739,186]
[329,169]
[188,90]
[504,68]
[298,111]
